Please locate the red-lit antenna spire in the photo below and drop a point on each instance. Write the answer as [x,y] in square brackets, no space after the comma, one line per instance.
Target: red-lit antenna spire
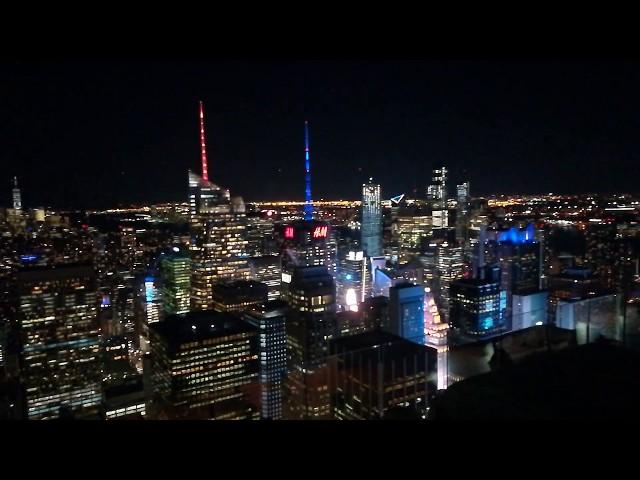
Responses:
[203,146]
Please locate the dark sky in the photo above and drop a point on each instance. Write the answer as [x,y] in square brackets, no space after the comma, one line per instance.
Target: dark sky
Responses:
[91,134]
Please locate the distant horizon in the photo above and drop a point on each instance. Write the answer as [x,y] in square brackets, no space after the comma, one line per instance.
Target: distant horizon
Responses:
[301,201]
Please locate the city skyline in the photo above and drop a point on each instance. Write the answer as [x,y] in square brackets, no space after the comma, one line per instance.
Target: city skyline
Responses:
[100,134]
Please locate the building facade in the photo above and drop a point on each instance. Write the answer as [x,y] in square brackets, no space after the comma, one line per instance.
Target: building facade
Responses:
[60,341]
[270,319]
[204,365]
[311,324]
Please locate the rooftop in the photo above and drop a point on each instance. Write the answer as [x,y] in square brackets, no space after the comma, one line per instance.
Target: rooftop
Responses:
[197,326]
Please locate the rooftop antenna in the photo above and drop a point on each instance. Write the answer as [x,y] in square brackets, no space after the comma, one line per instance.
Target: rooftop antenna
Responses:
[308,203]
[203,146]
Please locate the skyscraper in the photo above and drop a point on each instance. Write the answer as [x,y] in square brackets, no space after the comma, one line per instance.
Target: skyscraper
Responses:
[437,197]
[311,323]
[270,319]
[60,341]
[17,197]
[443,263]
[175,275]
[517,253]
[306,243]
[477,308]
[406,312]
[371,225]
[462,214]
[352,281]
[218,226]
[267,269]
[377,371]
[204,365]
[151,300]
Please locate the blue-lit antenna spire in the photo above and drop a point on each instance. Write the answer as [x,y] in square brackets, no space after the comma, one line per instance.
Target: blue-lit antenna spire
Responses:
[308,203]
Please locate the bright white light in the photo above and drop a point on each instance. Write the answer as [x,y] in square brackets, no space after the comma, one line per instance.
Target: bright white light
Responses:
[286,278]
[176,249]
[538,323]
[352,300]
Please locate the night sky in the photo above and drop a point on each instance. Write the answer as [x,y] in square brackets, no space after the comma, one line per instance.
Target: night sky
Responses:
[94,134]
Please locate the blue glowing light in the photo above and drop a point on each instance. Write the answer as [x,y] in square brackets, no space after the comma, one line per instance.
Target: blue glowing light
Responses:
[308,205]
[28,258]
[105,300]
[486,323]
[349,277]
[517,236]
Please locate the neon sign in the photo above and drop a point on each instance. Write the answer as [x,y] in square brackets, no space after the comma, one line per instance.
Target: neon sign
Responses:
[320,232]
[288,232]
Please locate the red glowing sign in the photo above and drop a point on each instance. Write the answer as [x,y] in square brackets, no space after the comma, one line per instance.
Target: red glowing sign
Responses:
[320,232]
[288,232]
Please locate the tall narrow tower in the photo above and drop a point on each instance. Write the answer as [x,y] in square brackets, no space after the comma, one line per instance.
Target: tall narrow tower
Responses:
[308,203]
[203,145]
[371,231]
[17,197]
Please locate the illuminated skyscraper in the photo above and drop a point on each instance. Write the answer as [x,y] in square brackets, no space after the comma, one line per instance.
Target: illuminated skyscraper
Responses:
[270,319]
[518,254]
[406,312]
[437,197]
[311,324]
[175,275]
[151,300]
[377,371]
[462,214]
[267,270]
[477,308]
[17,197]
[436,336]
[409,230]
[204,365]
[352,281]
[371,226]
[443,263]
[307,243]
[60,341]
[218,243]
